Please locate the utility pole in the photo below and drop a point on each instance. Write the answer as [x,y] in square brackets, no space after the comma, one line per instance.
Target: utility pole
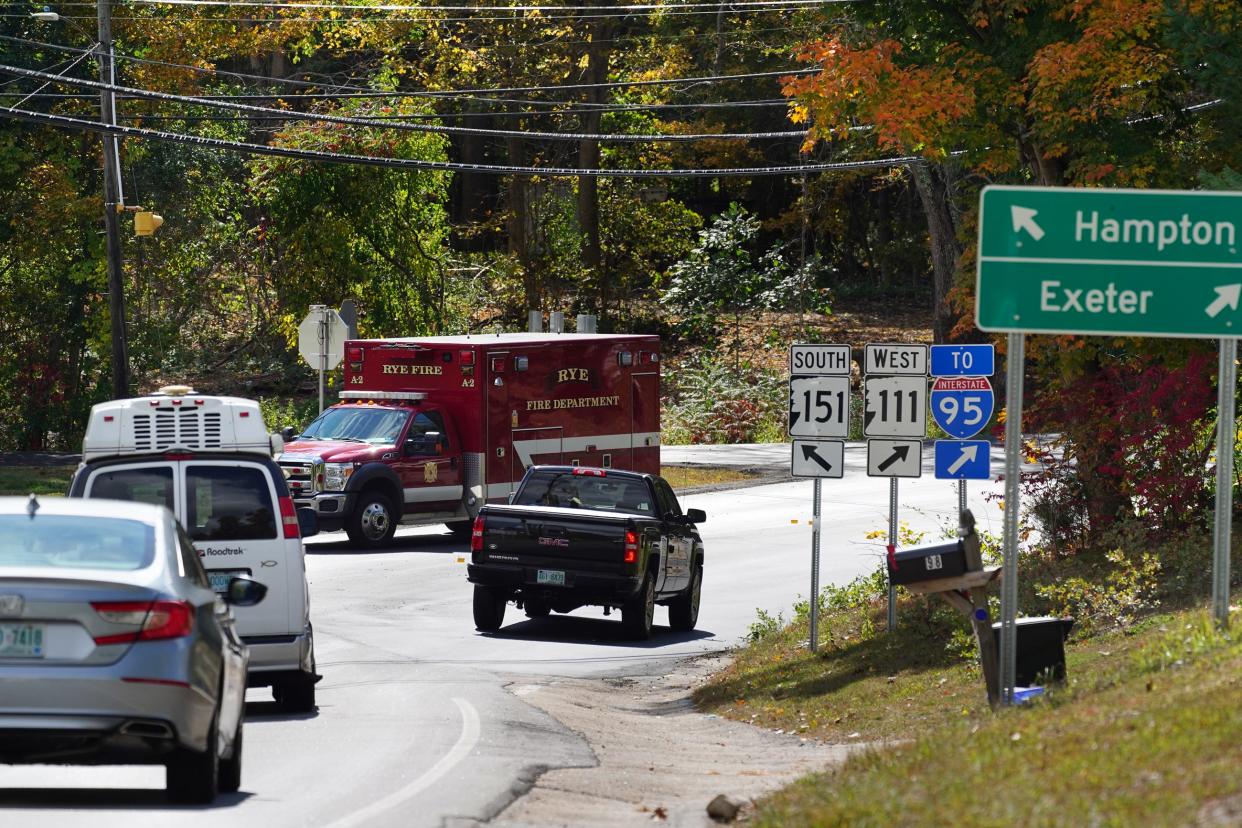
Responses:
[113,204]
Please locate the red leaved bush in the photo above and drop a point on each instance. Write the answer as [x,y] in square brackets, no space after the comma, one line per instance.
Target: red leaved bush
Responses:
[1136,438]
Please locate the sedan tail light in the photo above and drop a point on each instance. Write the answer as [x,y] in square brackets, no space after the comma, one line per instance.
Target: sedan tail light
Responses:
[476,535]
[289,518]
[158,620]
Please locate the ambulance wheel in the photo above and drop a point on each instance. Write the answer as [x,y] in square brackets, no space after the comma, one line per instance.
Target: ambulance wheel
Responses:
[489,608]
[372,522]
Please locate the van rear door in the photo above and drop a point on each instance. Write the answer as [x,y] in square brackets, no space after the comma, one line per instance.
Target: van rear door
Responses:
[231,514]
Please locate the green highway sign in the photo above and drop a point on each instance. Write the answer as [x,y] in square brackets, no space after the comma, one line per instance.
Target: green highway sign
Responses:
[1097,261]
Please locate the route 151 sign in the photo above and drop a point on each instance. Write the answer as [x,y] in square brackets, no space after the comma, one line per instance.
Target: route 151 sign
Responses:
[962,406]
[819,406]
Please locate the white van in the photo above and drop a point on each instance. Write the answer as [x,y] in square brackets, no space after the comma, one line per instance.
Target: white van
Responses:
[209,460]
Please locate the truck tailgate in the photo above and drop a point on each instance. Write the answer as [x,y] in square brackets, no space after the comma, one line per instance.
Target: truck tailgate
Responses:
[575,539]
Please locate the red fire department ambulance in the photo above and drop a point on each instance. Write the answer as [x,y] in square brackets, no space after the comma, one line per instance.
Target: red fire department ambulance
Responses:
[429,429]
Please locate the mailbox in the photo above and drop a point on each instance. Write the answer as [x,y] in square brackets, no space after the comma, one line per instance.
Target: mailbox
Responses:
[1040,650]
[928,562]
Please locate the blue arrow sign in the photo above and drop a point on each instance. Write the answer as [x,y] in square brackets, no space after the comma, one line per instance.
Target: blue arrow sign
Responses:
[963,360]
[962,406]
[963,460]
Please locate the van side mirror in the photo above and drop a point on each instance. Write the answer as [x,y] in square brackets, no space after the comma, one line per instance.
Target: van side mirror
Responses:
[695,516]
[288,434]
[244,592]
[308,522]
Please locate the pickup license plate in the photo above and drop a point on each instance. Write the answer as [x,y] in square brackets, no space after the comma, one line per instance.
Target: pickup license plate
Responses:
[220,578]
[21,641]
[550,576]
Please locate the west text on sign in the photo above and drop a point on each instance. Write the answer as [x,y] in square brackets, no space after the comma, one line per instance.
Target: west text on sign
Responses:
[890,359]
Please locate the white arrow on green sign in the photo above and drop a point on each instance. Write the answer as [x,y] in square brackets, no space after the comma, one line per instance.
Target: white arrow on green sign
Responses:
[1098,261]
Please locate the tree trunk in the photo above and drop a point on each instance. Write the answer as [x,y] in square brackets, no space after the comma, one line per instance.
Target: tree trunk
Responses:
[934,183]
[518,187]
[589,158]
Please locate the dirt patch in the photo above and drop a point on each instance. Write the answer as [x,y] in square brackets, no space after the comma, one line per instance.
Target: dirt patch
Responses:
[659,759]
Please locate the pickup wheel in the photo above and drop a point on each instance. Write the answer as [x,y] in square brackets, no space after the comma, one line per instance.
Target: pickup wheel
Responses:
[372,522]
[638,613]
[683,611]
[489,608]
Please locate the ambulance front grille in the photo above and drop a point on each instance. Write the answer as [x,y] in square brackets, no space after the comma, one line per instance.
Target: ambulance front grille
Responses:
[165,429]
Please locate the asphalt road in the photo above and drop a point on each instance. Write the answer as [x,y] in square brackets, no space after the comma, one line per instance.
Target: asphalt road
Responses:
[415,725]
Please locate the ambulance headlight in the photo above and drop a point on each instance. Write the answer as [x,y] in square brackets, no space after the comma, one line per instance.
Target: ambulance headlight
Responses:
[336,475]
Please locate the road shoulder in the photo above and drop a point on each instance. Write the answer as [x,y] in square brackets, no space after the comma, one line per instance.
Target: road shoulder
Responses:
[659,759]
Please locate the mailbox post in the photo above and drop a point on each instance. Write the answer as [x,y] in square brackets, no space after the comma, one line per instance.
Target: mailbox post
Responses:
[954,571]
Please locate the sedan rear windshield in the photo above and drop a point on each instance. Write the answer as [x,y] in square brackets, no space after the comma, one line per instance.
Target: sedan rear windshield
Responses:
[75,542]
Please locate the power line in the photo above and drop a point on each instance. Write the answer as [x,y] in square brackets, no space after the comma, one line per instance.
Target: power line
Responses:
[442,166]
[666,8]
[450,93]
[284,114]
[571,112]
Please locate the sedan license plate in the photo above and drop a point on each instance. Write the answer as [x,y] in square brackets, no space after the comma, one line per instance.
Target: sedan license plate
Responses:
[21,641]
[220,577]
[550,576]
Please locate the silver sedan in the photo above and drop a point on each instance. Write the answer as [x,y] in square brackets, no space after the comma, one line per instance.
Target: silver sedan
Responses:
[113,646]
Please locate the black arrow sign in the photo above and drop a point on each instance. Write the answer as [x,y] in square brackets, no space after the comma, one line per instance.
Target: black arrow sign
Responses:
[899,453]
[809,453]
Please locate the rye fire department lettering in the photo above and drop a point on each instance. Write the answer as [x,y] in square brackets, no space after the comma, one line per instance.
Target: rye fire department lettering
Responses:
[572,402]
[419,370]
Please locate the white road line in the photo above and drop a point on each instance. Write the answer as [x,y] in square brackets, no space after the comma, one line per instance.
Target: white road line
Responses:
[465,743]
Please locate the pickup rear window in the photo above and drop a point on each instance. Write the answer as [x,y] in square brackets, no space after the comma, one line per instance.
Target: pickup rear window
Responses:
[585,492]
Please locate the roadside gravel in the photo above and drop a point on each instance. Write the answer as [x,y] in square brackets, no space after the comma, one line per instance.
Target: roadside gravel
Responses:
[658,758]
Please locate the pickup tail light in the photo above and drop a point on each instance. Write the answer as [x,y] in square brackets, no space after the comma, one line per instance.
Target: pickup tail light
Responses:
[289,518]
[631,546]
[158,619]
[476,535]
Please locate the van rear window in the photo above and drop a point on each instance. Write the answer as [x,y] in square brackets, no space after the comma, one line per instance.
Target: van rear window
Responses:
[228,503]
[145,485]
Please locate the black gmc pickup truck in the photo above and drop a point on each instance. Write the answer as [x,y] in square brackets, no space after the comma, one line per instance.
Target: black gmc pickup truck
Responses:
[574,536]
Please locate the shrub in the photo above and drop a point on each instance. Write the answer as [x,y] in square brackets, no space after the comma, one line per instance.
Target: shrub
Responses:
[707,402]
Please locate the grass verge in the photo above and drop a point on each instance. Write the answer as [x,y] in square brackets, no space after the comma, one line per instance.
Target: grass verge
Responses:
[693,477]
[42,480]
[1146,730]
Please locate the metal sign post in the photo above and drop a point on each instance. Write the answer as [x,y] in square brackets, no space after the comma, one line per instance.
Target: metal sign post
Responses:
[819,400]
[815,500]
[1009,565]
[892,550]
[1225,434]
